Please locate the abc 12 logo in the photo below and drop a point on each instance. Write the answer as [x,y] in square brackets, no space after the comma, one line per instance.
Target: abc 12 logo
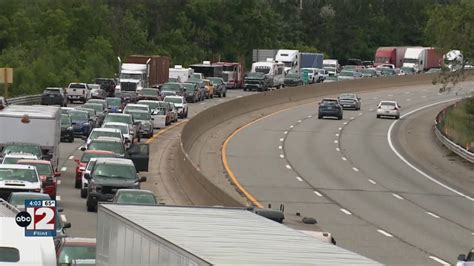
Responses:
[38,220]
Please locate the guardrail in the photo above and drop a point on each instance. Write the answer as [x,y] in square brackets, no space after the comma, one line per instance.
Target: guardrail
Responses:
[209,118]
[24,100]
[444,139]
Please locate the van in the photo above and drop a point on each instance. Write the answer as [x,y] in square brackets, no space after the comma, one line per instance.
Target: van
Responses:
[273,70]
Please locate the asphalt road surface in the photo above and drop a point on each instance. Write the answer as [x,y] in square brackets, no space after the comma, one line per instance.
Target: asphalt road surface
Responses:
[83,222]
[346,175]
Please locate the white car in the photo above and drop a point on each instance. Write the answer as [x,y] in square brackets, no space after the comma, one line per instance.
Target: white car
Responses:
[466,260]
[18,177]
[157,113]
[312,74]
[85,182]
[388,108]
[180,104]
[13,158]
[123,128]
[105,132]
[134,106]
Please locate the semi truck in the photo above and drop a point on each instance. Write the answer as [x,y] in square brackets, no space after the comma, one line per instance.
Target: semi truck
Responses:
[233,74]
[208,70]
[422,58]
[332,66]
[187,235]
[141,71]
[261,55]
[274,71]
[35,124]
[390,55]
[291,59]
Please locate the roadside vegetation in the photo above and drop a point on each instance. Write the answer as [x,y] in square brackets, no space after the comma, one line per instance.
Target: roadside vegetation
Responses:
[459,123]
[52,43]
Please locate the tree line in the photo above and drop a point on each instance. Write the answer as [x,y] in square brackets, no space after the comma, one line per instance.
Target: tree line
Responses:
[52,43]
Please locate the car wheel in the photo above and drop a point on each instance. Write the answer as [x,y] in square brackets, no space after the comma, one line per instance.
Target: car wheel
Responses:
[339,117]
[245,89]
[225,94]
[77,184]
[397,117]
[212,95]
[83,193]
[378,116]
[320,116]
[90,207]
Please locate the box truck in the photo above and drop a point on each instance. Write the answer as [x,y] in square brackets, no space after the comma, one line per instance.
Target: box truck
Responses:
[311,60]
[332,66]
[180,73]
[35,124]
[184,235]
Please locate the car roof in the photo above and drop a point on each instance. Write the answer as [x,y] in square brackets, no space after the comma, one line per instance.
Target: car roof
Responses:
[32,194]
[114,161]
[103,129]
[21,143]
[174,97]
[127,190]
[137,111]
[98,152]
[16,166]
[118,114]
[388,102]
[146,101]
[110,139]
[19,155]
[53,88]
[329,99]
[115,124]
[34,162]
[79,241]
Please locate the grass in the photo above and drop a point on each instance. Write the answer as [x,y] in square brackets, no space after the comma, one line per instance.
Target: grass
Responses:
[459,123]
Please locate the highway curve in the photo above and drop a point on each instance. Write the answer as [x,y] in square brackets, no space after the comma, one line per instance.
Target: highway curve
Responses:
[346,175]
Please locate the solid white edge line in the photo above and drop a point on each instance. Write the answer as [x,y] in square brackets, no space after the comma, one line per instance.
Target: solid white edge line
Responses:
[337,149]
[282,156]
[384,233]
[344,158]
[397,196]
[299,179]
[288,166]
[58,182]
[432,214]
[58,198]
[280,147]
[355,169]
[389,139]
[63,217]
[320,195]
[345,211]
[439,260]
[372,181]
[71,157]
[63,169]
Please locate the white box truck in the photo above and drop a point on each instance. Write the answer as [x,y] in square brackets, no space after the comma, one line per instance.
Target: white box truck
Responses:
[183,235]
[180,74]
[36,124]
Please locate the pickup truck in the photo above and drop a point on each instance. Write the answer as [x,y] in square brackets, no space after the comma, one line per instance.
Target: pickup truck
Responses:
[78,92]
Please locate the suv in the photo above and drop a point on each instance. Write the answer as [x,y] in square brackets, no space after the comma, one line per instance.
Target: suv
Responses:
[180,104]
[18,178]
[78,92]
[20,147]
[220,89]
[133,127]
[330,107]
[47,175]
[108,175]
[54,96]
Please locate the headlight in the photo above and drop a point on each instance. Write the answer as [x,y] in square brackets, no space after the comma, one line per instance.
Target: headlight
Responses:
[93,186]
[69,128]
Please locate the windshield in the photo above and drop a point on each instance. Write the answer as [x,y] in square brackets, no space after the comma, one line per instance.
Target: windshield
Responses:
[173,100]
[215,81]
[347,96]
[292,76]
[330,66]
[382,60]
[136,198]
[127,119]
[31,149]
[130,76]
[65,120]
[28,175]
[346,74]
[410,60]
[114,102]
[69,253]
[141,115]
[124,171]
[113,146]
[86,156]
[95,134]
[407,69]
[149,92]
[51,91]
[44,169]
[368,71]
[189,87]
[19,199]
[170,87]
[151,105]
[79,116]
[262,69]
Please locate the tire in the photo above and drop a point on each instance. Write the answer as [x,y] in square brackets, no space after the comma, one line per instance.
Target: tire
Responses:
[320,117]
[83,193]
[225,94]
[186,116]
[90,207]
[212,95]
[245,89]
[378,116]
[397,117]
[71,139]
[77,184]
[339,117]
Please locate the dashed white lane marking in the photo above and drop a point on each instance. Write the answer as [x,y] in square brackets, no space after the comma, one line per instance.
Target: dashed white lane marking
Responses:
[370,110]
[320,195]
[286,132]
[292,126]
[438,260]
[384,233]
[63,217]
[408,100]
[432,214]
[282,139]
[372,181]
[58,198]
[340,128]
[345,123]
[337,135]
[288,166]
[239,96]
[352,118]
[336,141]
[71,157]
[360,114]
[299,121]
[280,147]
[337,149]
[389,139]
[282,156]
[299,179]
[397,196]
[345,211]
[64,169]
[344,158]
[309,116]
[355,169]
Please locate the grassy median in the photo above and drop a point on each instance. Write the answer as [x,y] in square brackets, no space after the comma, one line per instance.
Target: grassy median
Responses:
[459,123]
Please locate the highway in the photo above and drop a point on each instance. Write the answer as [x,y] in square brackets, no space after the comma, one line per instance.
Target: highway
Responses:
[160,175]
[347,174]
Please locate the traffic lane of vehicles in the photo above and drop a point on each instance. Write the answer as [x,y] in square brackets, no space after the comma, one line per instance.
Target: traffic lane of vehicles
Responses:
[75,211]
[325,177]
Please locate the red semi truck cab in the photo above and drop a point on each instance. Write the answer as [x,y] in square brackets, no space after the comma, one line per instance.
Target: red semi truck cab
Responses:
[385,55]
[232,74]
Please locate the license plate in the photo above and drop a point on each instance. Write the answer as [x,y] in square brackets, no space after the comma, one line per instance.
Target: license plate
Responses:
[346,105]
[387,112]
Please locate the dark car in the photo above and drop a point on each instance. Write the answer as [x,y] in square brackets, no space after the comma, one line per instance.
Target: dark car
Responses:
[67,132]
[220,89]
[114,104]
[21,147]
[256,81]
[97,93]
[107,176]
[54,96]
[349,101]
[99,109]
[175,87]
[293,79]
[330,107]
[192,92]
[149,94]
[135,196]
[81,123]
[107,84]
[92,115]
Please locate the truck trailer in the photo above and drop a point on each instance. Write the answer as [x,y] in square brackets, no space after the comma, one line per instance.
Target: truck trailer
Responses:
[390,55]
[311,60]
[422,58]
[184,235]
[261,55]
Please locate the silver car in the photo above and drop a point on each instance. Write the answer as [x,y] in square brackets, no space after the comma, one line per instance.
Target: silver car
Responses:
[388,108]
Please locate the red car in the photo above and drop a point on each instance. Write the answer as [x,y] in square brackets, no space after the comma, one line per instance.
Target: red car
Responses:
[85,158]
[74,249]
[47,175]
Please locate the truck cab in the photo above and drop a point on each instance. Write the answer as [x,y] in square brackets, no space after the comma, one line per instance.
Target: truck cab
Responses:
[415,58]
[290,58]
